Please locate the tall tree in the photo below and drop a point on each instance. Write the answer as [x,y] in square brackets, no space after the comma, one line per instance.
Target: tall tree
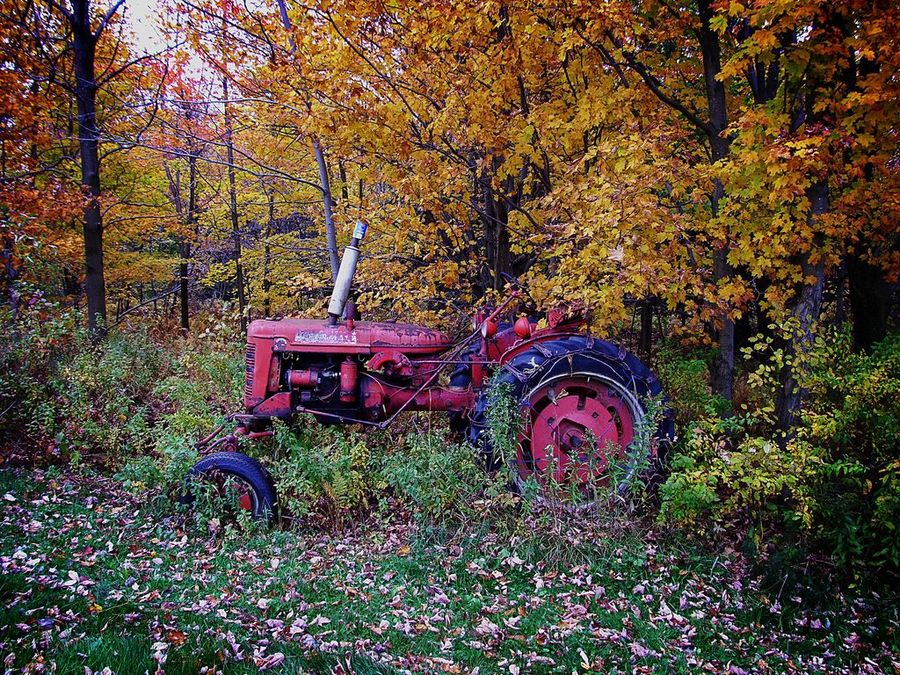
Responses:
[233,207]
[84,50]
[808,163]
[187,215]
[642,45]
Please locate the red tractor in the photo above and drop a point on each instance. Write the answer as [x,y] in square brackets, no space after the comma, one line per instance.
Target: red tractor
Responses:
[583,401]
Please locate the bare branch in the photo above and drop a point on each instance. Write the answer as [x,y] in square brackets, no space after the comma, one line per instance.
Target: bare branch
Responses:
[62,10]
[106,18]
[656,86]
[142,304]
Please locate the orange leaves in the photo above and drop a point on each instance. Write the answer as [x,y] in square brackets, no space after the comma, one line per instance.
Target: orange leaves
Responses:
[777,155]
[484,138]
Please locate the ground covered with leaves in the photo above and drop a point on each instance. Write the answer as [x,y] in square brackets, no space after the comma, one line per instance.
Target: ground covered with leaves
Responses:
[91,578]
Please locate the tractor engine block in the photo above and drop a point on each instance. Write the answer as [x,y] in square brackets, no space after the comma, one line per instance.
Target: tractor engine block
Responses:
[346,372]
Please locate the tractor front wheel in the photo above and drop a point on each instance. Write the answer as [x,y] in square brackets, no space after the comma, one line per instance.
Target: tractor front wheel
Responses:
[240,481]
[583,406]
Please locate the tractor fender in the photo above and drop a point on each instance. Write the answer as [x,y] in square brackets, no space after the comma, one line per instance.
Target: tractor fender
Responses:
[524,345]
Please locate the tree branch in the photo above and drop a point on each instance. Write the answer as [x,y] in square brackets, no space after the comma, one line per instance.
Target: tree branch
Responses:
[62,10]
[106,18]
[143,304]
[655,86]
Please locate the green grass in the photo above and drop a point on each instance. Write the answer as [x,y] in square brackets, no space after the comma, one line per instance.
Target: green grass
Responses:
[388,595]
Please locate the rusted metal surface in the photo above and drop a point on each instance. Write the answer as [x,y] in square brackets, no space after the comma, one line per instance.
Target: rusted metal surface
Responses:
[382,399]
[337,382]
[401,374]
[574,428]
[277,405]
[360,372]
[349,379]
[393,361]
[364,337]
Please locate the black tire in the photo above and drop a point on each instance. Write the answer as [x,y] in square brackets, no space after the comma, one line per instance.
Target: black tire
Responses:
[248,470]
[569,358]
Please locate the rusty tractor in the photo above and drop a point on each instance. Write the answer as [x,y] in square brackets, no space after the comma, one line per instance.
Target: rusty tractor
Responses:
[583,401]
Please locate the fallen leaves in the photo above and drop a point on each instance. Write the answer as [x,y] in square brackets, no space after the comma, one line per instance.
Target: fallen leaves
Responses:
[365,592]
[270,661]
[487,627]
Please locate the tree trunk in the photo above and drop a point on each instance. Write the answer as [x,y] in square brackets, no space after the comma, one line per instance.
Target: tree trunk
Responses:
[646,342]
[84,47]
[870,293]
[345,192]
[806,312]
[232,197]
[870,296]
[328,203]
[723,367]
[496,241]
[10,272]
[327,197]
[723,371]
[184,252]
[185,248]
[267,284]
[502,244]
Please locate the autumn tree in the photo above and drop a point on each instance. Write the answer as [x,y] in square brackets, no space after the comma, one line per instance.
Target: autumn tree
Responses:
[77,67]
[182,142]
[726,162]
[804,158]
[37,201]
[86,30]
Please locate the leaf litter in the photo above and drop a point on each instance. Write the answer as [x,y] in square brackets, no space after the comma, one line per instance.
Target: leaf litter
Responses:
[82,560]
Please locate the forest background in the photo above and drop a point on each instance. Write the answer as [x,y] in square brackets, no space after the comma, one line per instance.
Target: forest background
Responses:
[716,182]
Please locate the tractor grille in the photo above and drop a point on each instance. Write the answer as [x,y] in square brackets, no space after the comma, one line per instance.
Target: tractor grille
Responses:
[251,367]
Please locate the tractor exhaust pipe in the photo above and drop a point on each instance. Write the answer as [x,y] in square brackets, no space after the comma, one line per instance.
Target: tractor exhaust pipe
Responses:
[345,275]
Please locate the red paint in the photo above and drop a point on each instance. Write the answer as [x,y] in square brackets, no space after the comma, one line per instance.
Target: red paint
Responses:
[489,328]
[303,379]
[277,405]
[245,502]
[393,361]
[575,427]
[366,372]
[522,328]
[381,399]
[361,337]
[349,375]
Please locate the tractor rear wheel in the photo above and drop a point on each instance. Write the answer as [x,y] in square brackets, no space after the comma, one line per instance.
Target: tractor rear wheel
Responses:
[584,416]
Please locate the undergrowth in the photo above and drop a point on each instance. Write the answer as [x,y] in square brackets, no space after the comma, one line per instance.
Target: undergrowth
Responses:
[831,485]
[136,405]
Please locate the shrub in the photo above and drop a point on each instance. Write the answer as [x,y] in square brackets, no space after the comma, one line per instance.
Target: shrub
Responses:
[833,480]
[716,477]
[442,480]
[565,523]
[334,473]
[854,418]
[320,470]
[202,383]
[71,397]
[685,380]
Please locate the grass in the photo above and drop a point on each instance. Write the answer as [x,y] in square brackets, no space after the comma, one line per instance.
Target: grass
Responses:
[90,578]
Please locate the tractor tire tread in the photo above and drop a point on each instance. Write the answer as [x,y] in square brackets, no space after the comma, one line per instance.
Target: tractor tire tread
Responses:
[535,361]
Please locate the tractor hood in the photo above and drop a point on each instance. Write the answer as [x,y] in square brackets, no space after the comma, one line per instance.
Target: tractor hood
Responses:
[360,337]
